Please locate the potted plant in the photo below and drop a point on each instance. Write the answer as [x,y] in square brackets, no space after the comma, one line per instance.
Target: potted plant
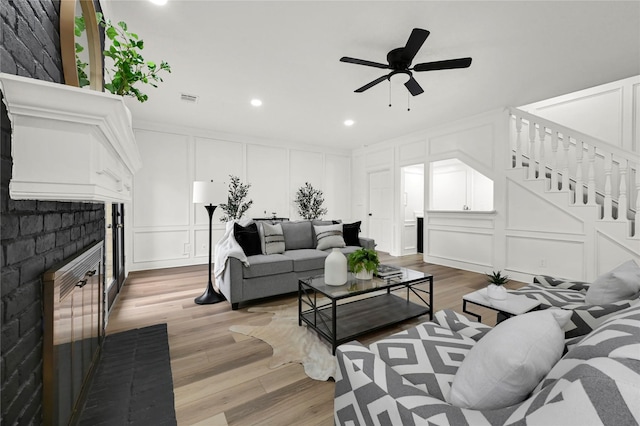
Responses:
[363,263]
[309,202]
[495,289]
[235,206]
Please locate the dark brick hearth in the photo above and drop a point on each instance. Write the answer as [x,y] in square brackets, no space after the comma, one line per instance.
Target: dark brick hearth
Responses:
[34,235]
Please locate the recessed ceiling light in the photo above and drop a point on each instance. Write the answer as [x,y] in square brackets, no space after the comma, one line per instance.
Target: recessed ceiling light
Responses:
[349,123]
[256,102]
[159,2]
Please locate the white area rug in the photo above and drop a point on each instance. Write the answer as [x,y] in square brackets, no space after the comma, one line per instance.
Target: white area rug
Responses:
[292,343]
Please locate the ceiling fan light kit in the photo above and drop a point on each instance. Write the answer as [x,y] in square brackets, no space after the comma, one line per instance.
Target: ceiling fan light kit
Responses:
[399,62]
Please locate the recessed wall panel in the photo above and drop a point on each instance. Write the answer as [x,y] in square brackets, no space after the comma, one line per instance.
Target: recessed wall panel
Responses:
[337,187]
[544,256]
[475,248]
[267,173]
[161,187]
[151,246]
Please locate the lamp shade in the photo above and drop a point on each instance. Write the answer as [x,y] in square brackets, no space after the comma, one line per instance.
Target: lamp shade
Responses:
[209,192]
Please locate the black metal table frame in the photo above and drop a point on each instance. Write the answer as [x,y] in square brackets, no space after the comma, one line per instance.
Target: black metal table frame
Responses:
[501,315]
[305,289]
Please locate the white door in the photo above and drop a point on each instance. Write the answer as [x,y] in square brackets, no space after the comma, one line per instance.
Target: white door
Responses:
[380,209]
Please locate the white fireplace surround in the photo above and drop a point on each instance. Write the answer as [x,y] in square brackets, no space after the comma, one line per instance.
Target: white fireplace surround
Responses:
[69,144]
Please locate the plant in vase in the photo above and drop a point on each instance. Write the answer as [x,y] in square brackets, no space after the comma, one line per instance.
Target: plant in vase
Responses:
[495,289]
[235,206]
[363,263]
[309,202]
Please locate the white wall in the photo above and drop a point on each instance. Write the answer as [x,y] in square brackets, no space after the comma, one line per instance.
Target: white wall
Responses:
[610,112]
[456,186]
[166,229]
[412,199]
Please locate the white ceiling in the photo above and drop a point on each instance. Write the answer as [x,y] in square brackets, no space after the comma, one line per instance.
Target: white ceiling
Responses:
[287,54]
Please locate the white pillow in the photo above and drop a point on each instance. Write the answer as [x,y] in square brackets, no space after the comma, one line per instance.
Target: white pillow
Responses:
[271,238]
[509,362]
[329,236]
[621,283]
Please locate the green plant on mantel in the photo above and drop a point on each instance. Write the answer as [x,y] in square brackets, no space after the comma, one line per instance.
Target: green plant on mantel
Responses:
[129,67]
[235,206]
[309,202]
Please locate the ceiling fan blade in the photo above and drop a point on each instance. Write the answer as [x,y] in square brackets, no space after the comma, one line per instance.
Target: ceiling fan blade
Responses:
[413,86]
[443,65]
[415,42]
[373,83]
[363,62]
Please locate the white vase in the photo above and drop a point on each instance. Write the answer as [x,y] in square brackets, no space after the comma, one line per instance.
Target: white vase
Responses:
[364,275]
[496,292]
[335,268]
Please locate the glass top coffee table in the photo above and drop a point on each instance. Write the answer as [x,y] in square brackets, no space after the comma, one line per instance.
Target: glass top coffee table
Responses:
[511,306]
[341,313]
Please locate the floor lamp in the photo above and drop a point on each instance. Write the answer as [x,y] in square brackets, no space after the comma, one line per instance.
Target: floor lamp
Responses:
[203,193]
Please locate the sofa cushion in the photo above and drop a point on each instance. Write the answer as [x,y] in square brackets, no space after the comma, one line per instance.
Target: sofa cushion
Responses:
[298,235]
[267,264]
[621,283]
[427,356]
[271,238]
[552,282]
[328,236]
[351,232]
[306,259]
[509,362]
[248,238]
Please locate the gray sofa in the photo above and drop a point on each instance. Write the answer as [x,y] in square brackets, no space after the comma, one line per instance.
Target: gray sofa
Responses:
[275,274]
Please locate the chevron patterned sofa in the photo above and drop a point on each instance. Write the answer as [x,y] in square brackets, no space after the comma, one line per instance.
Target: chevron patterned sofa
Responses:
[407,378]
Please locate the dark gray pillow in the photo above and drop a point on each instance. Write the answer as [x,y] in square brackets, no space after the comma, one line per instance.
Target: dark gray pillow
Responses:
[298,235]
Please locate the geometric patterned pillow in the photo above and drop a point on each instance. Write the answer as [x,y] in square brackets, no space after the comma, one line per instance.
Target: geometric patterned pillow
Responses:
[548,281]
[454,321]
[585,317]
[427,356]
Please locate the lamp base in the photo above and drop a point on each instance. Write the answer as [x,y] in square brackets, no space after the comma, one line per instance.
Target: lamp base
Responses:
[210,296]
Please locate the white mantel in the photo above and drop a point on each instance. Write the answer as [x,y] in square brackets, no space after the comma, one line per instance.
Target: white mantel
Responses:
[68,144]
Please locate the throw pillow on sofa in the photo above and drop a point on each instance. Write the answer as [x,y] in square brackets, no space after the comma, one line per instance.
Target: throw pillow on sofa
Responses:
[509,362]
[329,236]
[298,235]
[248,238]
[350,233]
[271,238]
[621,283]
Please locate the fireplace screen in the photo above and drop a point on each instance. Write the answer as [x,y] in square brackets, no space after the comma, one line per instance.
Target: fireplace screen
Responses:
[73,331]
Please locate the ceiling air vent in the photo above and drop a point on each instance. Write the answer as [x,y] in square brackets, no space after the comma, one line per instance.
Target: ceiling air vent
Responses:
[192,99]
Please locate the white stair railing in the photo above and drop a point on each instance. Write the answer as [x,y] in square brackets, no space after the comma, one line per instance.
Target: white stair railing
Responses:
[595,172]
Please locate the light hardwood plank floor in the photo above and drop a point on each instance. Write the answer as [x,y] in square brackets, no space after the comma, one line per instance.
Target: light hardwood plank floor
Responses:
[223,378]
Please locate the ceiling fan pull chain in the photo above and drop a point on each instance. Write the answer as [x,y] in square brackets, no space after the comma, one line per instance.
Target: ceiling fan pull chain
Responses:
[408,102]
[389,93]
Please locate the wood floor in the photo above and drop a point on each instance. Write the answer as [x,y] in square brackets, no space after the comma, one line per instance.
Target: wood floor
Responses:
[223,378]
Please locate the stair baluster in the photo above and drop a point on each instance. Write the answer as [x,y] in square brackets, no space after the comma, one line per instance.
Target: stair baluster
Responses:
[579,188]
[607,211]
[554,161]
[623,205]
[518,143]
[591,176]
[532,151]
[542,167]
[565,169]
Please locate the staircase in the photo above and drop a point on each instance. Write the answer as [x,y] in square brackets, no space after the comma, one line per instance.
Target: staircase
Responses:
[591,178]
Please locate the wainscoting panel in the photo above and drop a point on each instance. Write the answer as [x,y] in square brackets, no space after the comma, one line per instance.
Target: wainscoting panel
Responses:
[528,211]
[161,192]
[201,241]
[337,177]
[610,253]
[412,153]
[469,247]
[379,159]
[474,141]
[545,256]
[461,219]
[215,160]
[160,245]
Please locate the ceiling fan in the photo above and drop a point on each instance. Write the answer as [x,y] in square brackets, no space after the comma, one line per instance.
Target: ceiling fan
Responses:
[399,61]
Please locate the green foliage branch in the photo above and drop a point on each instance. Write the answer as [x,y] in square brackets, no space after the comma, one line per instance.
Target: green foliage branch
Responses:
[235,206]
[129,66]
[309,202]
[363,258]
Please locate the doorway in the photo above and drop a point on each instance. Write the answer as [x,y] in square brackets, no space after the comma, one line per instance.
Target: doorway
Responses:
[381,209]
[412,208]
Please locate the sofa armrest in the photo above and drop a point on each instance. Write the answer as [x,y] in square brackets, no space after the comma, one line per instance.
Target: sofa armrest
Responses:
[368,391]
[367,243]
[232,274]
[454,321]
